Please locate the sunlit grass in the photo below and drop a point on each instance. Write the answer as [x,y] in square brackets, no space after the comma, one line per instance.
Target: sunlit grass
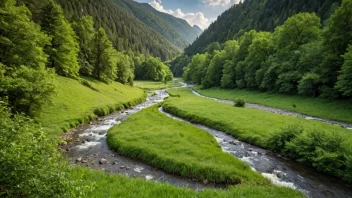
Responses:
[152,85]
[336,110]
[115,186]
[76,103]
[250,125]
[178,148]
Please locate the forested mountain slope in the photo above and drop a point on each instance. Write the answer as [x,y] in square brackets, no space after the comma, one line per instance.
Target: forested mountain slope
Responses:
[198,29]
[126,32]
[176,30]
[262,15]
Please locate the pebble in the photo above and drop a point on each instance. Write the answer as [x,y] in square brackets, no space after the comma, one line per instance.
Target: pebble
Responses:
[103,161]
[122,167]
[79,159]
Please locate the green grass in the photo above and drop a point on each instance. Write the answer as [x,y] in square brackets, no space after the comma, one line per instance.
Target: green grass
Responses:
[178,148]
[114,186]
[250,125]
[152,85]
[335,110]
[76,103]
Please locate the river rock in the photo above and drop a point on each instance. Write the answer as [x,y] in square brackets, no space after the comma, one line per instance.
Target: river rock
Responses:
[84,161]
[205,181]
[122,167]
[68,150]
[89,139]
[101,133]
[79,159]
[103,161]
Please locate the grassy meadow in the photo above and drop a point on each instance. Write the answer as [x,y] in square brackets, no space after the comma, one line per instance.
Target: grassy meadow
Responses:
[77,102]
[114,186]
[178,148]
[325,147]
[334,110]
[153,85]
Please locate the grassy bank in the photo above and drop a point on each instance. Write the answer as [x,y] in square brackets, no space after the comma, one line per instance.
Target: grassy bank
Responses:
[152,85]
[257,127]
[108,185]
[178,148]
[77,102]
[334,110]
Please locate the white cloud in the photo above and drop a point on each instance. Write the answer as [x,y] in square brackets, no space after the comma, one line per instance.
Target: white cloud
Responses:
[220,2]
[198,18]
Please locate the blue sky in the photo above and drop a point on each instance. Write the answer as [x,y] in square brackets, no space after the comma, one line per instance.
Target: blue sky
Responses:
[195,12]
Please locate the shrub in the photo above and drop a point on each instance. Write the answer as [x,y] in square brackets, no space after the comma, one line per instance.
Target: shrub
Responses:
[31,166]
[28,90]
[240,102]
[277,142]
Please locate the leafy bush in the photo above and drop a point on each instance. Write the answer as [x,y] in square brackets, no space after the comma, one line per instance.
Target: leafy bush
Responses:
[240,102]
[30,163]
[277,142]
[28,90]
[324,150]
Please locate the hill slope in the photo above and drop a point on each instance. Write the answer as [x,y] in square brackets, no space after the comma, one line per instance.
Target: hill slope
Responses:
[176,30]
[122,27]
[259,15]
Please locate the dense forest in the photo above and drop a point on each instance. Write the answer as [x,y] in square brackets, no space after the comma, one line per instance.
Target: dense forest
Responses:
[258,15]
[176,30]
[299,57]
[126,32]
[38,43]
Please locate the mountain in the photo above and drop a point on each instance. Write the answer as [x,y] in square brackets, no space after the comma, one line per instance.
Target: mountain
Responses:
[176,30]
[262,15]
[198,29]
[122,27]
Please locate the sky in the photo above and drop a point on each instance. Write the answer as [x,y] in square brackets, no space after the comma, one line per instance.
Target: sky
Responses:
[195,12]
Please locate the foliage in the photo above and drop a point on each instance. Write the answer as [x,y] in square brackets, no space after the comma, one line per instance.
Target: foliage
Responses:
[258,15]
[324,150]
[142,137]
[28,90]
[21,41]
[153,69]
[24,82]
[240,102]
[105,67]
[125,31]
[63,50]
[344,83]
[85,31]
[125,69]
[297,58]
[30,163]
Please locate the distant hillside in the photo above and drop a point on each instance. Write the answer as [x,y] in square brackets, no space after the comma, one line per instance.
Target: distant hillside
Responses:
[198,29]
[176,30]
[125,30]
[259,15]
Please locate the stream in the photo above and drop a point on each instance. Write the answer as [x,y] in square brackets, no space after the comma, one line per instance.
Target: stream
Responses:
[88,147]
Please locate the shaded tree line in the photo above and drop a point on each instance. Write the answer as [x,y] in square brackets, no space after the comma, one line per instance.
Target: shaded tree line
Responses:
[260,15]
[299,57]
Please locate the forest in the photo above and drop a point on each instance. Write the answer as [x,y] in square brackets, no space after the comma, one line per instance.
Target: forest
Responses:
[38,44]
[258,15]
[302,56]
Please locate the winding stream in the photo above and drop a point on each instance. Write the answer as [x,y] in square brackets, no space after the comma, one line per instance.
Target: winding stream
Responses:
[89,148]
